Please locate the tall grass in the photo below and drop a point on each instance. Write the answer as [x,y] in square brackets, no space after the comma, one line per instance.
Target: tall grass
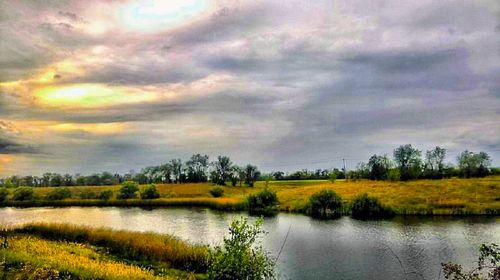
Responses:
[136,246]
[29,257]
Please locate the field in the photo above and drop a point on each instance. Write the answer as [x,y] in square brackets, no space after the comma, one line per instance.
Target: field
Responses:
[423,197]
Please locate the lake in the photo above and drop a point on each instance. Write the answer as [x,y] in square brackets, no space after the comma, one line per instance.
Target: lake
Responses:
[401,248]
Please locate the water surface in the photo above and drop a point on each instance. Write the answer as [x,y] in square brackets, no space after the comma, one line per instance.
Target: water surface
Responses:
[401,248]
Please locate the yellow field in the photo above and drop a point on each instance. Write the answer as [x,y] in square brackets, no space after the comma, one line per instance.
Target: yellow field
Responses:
[447,196]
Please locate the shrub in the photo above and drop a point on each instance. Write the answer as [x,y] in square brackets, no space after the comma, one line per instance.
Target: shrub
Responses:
[238,257]
[86,194]
[106,195]
[217,191]
[23,194]
[325,204]
[128,190]
[3,194]
[365,207]
[263,203]
[58,194]
[150,192]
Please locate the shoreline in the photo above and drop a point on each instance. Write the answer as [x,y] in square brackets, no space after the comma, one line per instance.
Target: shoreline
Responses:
[215,204]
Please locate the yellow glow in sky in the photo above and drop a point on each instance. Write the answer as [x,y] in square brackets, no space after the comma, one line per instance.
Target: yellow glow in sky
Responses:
[91,95]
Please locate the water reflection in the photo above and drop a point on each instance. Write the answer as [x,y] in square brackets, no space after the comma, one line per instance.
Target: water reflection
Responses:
[336,249]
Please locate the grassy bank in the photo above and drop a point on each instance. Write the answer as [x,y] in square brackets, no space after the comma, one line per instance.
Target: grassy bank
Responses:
[85,253]
[421,197]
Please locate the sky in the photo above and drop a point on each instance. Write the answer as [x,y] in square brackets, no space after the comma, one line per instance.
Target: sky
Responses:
[88,86]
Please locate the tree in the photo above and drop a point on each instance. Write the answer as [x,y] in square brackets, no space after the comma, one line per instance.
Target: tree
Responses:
[238,257]
[408,160]
[165,172]
[197,168]
[434,163]
[68,180]
[150,192]
[176,165]
[251,174]
[221,170]
[128,190]
[108,179]
[379,167]
[473,165]
[278,175]
[325,204]
[263,203]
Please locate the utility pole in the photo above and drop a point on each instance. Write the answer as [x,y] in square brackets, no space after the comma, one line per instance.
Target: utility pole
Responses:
[345,171]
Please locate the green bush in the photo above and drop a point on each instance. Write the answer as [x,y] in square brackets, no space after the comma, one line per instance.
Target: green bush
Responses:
[86,194]
[263,203]
[23,194]
[365,207]
[128,190]
[325,204]
[238,257]
[58,194]
[217,191]
[150,192]
[3,194]
[106,195]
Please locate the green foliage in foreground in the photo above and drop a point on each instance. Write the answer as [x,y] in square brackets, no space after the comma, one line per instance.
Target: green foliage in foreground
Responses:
[217,191]
[238,257]
[264,203]
[488,266]
[325,204]
[366,207]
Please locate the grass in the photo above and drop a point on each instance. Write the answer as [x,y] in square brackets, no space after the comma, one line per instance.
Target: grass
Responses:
[477,196]
[165,250]
[31,257]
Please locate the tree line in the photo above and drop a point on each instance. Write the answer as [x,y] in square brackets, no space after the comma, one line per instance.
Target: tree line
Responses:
[407,163]
[197,169]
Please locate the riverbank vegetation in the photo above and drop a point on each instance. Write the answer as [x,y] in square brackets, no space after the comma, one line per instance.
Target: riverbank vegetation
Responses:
[62,251]
[418,197]
[55,251]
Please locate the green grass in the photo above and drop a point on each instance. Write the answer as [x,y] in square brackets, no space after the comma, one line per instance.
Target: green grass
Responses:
[420,197]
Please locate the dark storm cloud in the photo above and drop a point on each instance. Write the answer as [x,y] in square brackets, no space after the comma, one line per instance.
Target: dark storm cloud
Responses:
[216,104]
[10,147]
[324,79]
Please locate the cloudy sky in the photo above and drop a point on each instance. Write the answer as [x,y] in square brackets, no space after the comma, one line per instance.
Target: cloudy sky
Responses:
[90,85]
